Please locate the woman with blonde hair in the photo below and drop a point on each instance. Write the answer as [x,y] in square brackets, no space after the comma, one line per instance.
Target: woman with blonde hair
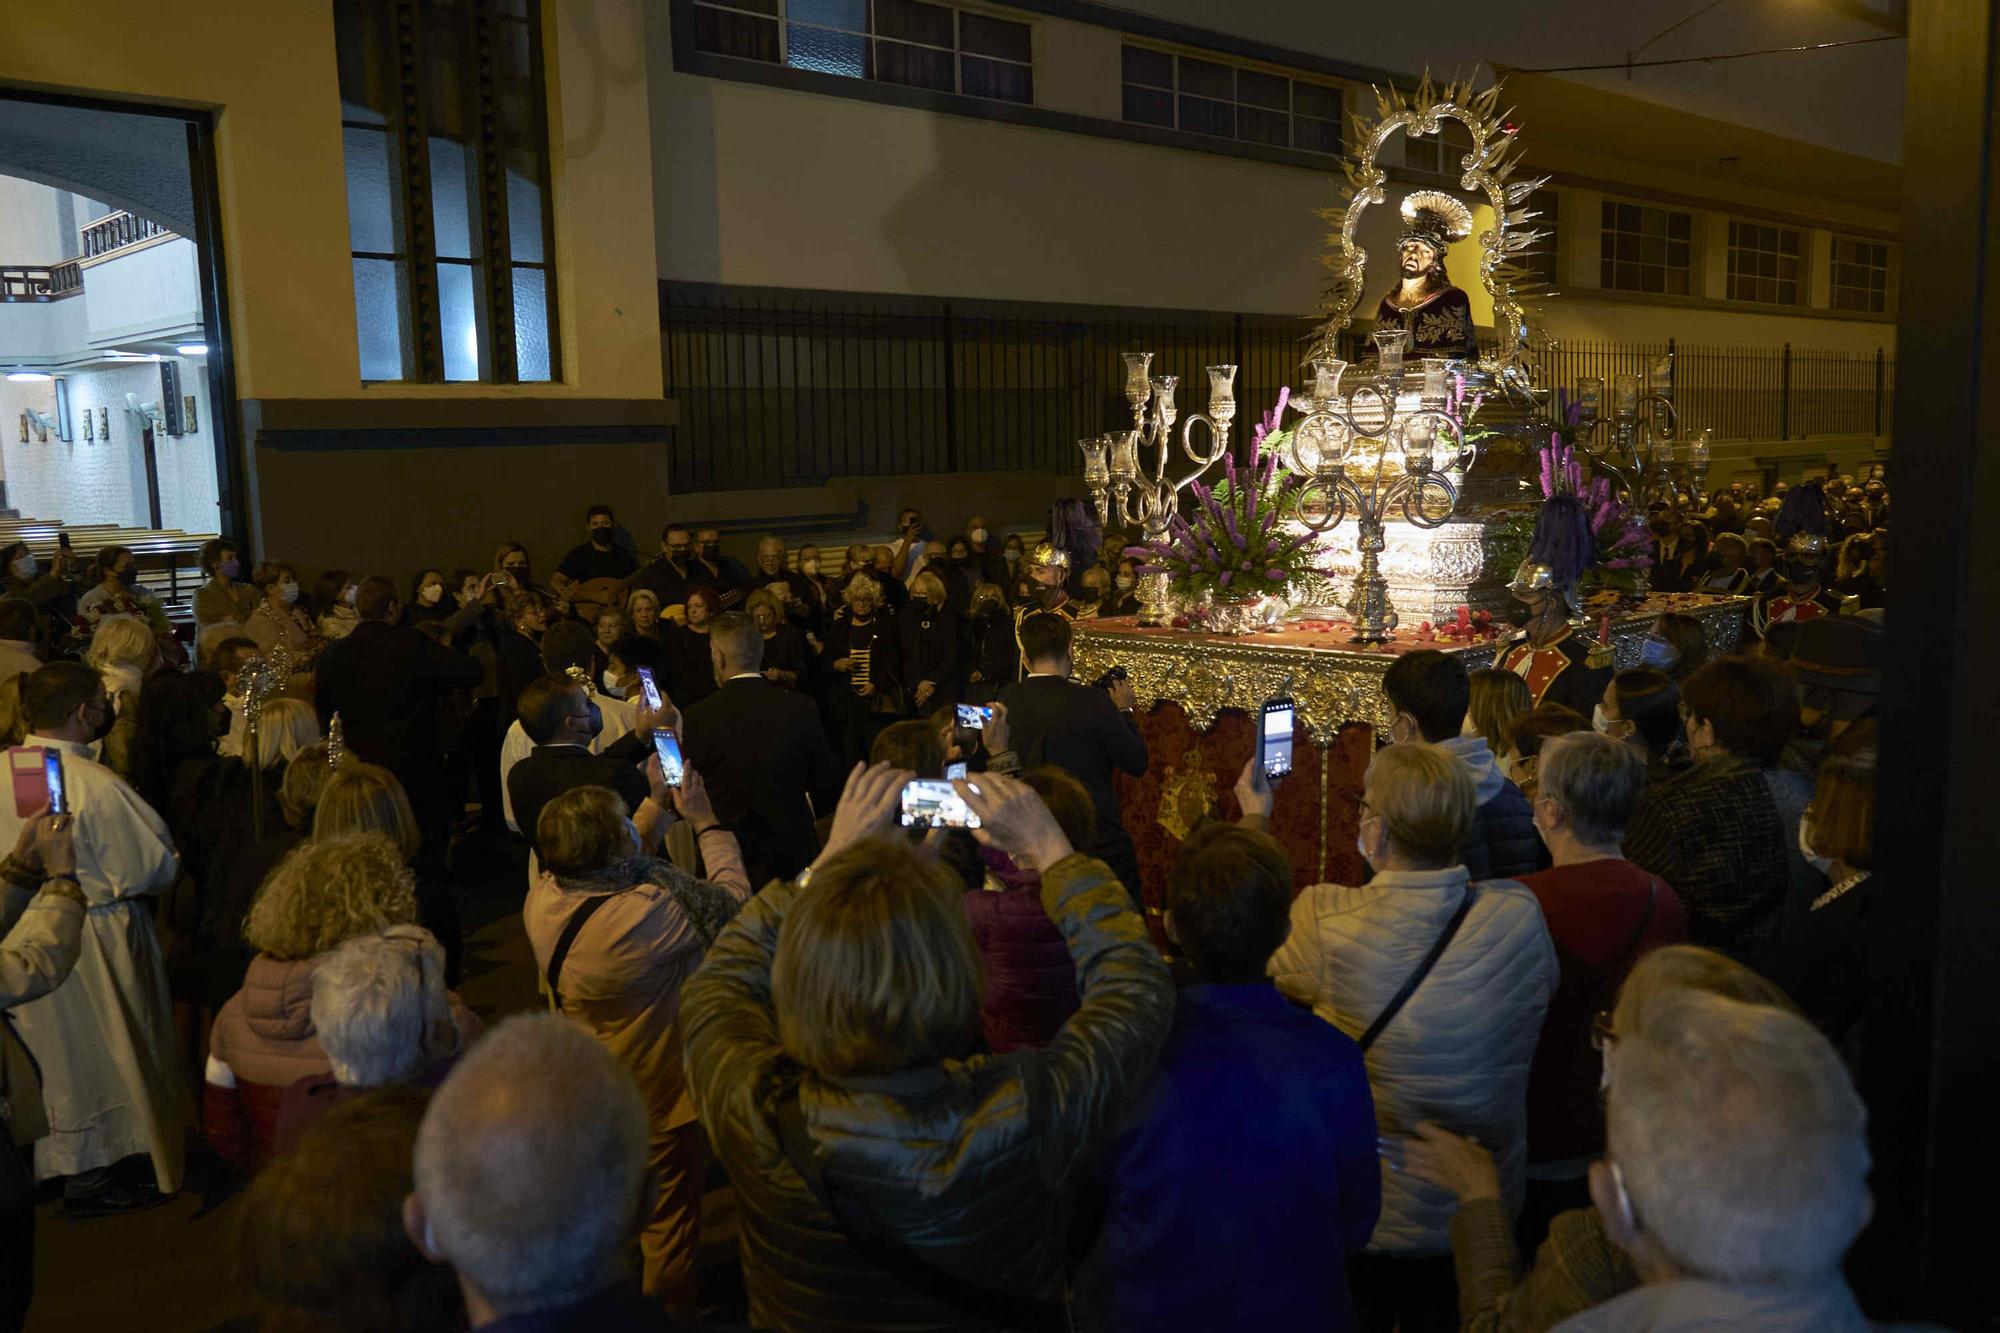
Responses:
[325,893]
[786,657]
[832,1046]
[367,798]
[1444,982]
[929,641]
[864,653]
[643,606]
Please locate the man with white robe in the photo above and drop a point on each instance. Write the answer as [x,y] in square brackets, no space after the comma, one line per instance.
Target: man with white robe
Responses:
[112,1081]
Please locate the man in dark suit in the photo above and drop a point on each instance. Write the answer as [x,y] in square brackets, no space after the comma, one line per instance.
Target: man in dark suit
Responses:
[763,754]
[388,684]
[1086,732]
[562,719]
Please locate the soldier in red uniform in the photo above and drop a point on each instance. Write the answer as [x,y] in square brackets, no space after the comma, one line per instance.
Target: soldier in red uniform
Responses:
[1551,655]
[1801,532]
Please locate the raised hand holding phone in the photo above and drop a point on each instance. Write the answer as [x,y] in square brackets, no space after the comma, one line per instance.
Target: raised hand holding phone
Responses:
[867,807]
[1013,820]
[691,799]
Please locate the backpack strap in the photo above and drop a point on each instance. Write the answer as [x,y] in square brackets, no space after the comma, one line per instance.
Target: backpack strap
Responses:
[1416,978]
[570,930]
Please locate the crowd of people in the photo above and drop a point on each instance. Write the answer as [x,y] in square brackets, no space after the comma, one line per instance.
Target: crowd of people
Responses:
[1575,1052]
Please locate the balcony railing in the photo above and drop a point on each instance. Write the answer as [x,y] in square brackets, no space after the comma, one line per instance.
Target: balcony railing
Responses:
[117,231]
[23,283]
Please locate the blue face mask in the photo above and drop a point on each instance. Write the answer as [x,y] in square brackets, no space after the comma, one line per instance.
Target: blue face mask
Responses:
[1655,651]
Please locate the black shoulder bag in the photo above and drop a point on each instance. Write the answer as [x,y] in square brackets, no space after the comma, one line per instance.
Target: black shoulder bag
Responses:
[1416,979]
[570,930]
[887,1252]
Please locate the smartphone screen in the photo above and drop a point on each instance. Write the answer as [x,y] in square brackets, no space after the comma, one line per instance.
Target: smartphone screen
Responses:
[30,771]
[928,803]
[1275,742]
[52,774]
[668,747]
[974,716]
[650,688]
[955,772]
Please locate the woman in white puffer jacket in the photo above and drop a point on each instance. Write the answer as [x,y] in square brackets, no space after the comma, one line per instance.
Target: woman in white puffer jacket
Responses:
[1458,1049]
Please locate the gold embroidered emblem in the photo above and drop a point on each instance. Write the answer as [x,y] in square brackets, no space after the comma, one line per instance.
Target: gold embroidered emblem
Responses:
[1187,795]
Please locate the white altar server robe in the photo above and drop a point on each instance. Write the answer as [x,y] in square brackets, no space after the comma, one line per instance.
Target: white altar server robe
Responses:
[105,1037]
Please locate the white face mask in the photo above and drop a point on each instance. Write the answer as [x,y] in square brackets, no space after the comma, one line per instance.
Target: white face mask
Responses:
[1599,721]
[24,567]
[1013,557]
[430,594]
[809,566]
[288,592]
[610,684]
[1126,583]
[1823,864]
[350,594]
[978,535]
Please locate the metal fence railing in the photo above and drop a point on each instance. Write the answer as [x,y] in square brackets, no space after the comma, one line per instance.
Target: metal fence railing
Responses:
[789,388]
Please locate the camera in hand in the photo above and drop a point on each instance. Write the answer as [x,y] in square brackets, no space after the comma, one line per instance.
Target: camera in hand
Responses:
[1111,677]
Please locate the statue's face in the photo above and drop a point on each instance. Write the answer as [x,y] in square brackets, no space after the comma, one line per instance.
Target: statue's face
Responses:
[1418,258]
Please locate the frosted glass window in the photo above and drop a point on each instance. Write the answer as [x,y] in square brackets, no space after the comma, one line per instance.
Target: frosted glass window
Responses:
[459,316]
[531,323]
[381,317]
[371,220]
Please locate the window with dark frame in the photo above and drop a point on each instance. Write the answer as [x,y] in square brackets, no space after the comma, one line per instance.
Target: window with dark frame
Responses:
[909,42]
[444,122]
[1440,154]
[1647,249]
[1222,101]
[1764,263]
[1860,275]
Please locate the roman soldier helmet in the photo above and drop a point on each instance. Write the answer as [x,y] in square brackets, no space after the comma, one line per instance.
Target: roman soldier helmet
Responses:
[1436,219]
[1049,556]
[1074,538]
[1561,550]
[1801,525]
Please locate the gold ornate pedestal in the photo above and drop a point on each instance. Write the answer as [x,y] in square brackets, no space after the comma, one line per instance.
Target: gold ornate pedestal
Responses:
[1334,683]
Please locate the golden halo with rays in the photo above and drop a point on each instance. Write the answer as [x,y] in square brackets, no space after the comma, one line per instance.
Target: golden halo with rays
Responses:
[1457,217]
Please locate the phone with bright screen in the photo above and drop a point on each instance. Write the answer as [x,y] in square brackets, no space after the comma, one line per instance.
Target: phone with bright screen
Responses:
[668,747]
[38,781]
[1274,740]
[650,687]
[974,716]
[929,803]
[955,772]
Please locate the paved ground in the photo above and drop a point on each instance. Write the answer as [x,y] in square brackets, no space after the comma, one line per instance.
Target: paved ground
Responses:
[167,1271]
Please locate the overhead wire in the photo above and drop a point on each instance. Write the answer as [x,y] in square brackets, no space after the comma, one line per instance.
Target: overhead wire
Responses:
[1702,60]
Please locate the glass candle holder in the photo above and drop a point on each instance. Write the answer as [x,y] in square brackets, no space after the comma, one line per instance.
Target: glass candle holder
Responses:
[1660,377]
[1436,382]
[1417,434]
[1163,391]
[1138,374]
[1096,467]
[1389,345]
[1589,398]
[1625,396]
[1124,454]
[1221,389]
[1698,452]
[1326,382]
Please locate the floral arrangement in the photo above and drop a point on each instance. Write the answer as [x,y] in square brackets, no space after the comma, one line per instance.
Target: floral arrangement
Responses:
[1621,545]
[1234,547]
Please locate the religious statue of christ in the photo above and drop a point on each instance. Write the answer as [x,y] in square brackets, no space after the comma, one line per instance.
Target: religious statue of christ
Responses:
[1437,315]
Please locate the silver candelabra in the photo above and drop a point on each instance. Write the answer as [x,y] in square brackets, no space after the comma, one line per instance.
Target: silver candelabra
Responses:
[1328,450]
[1635,444]
[1126,492]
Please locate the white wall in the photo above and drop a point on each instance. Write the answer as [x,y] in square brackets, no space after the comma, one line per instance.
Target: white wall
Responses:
[29,234]
[154,292]
[105,482]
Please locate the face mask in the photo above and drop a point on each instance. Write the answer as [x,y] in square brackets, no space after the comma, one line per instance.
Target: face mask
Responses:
[1656,652]
[1823,864]
[430,594]
[232,569]
[609,683]
[1599,721]
[920,604]
[708,550]
[809,566]
[24,567]
[978,535]
[1126,583]
[351,593]
[600,537]
[1518,614]
[1013,557]
[129,577]
[288,592]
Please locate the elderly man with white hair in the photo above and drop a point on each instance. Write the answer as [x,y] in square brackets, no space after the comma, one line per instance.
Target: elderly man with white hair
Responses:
[1737,1171]
[529,1172]
[383,1016]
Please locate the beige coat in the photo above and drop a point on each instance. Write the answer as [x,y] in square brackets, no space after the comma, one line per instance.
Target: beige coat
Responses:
[1459,1050]
[623,976]
[44,936]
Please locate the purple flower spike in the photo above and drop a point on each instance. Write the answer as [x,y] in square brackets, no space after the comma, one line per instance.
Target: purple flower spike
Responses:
[1275,575]
[1226,576]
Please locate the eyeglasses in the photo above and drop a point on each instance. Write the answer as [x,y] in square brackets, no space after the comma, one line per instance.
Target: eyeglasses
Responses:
[1602,1035]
